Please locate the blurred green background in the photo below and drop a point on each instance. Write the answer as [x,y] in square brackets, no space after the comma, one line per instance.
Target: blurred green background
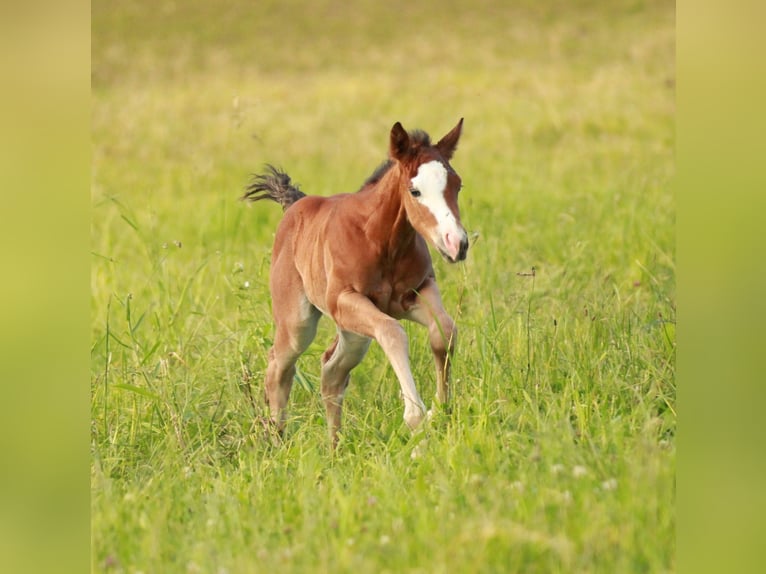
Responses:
[567,159]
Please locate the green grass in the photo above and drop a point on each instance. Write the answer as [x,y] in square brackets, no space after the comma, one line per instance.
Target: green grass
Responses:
[559,452]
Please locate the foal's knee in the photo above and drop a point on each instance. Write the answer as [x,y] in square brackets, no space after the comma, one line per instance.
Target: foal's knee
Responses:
[443,335]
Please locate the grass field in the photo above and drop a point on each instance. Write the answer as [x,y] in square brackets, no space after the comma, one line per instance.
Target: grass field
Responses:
[559,452]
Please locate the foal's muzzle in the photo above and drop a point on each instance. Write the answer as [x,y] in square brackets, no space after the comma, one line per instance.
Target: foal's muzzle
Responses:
[461,254]
[454,245]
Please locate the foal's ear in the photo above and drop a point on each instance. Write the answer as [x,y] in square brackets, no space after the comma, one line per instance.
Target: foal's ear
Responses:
[448,144]
[400,142]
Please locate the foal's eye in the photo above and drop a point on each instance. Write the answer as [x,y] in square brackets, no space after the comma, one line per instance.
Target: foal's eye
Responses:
[415,192]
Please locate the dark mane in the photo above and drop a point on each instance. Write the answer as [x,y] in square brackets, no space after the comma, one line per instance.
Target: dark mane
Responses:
[379,172]
[418,138]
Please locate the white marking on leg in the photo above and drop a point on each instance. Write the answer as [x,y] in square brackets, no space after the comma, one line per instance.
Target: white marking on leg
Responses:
[394,343]
[414,407]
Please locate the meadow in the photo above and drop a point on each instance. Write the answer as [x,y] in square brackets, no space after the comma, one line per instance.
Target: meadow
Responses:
[559,451]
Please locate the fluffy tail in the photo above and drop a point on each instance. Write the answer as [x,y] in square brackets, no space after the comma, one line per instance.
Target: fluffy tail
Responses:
[274,185]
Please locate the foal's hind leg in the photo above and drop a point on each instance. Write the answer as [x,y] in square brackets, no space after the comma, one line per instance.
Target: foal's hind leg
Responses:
[344,354]
[442,334]
[295,319]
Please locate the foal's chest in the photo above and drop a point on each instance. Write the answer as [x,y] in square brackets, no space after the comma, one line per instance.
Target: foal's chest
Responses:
[395,296]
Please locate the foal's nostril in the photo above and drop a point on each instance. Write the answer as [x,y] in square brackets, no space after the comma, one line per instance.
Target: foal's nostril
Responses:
[463,249]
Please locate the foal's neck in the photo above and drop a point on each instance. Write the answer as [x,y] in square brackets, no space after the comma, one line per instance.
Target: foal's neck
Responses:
[390,219]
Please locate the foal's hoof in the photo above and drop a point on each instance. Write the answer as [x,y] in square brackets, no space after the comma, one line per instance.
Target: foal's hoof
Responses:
[414,419]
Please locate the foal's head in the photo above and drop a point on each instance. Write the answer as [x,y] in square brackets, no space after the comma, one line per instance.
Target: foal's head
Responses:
[429,188]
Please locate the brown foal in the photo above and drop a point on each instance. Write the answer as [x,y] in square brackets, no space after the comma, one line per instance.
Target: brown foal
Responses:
[362,259]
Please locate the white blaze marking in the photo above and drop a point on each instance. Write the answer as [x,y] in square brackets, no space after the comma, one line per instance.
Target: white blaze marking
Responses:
[431,182]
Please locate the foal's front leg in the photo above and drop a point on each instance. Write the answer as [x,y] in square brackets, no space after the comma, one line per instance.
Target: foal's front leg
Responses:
[442,333]
[356,313]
